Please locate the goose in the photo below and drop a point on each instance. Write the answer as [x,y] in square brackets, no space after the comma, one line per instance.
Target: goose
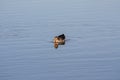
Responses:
[59,39]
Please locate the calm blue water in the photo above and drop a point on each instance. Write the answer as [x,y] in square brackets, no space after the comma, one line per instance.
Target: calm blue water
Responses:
[92,29]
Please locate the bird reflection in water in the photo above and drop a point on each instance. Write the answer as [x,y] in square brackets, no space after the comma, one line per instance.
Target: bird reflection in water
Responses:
[59,40]
[57,44]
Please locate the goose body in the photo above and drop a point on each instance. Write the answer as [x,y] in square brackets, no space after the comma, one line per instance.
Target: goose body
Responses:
[59,39]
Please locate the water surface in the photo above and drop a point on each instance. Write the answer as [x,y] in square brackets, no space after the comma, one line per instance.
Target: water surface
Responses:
[27,28]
